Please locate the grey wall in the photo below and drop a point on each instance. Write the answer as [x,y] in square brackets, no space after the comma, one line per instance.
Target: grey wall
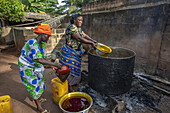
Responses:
[142,26]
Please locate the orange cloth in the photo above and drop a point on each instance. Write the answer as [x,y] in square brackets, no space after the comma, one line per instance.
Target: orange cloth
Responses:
[43,28]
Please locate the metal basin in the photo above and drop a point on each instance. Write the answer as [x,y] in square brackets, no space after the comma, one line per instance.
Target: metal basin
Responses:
[111,74]
[76,94]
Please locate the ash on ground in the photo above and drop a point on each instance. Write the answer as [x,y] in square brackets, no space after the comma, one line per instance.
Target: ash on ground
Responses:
[139,99]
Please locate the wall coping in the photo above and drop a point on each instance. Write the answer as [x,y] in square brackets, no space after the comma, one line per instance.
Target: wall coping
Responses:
[116,5]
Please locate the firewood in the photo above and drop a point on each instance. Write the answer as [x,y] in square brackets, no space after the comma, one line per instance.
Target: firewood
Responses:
[145,81]
[156,79]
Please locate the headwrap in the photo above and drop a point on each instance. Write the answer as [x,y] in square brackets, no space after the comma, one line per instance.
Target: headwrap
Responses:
[43,28]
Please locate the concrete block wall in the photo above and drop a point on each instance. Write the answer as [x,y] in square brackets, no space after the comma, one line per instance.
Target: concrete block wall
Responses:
[112,5]
[139,25]
[55,41]
[6,35]
[18,38]
[164,56]
[23,34]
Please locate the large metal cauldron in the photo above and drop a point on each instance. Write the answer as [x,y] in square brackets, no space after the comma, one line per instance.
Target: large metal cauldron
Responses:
[112,74]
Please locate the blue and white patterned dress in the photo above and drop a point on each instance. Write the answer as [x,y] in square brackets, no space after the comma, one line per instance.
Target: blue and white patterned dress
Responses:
[30,70]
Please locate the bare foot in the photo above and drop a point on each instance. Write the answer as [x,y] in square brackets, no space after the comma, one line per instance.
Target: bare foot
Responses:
[41,100]
[71,89]
[39,108]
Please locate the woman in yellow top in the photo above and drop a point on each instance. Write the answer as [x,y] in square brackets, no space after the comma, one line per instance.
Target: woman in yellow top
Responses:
[71,53]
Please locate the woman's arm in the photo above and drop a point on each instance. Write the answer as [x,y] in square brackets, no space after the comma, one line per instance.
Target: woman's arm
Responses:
[46,62]
[83,40]
[88,38]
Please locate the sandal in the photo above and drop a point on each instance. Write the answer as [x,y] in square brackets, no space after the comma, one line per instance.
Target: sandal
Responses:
[45,111]
[42,100]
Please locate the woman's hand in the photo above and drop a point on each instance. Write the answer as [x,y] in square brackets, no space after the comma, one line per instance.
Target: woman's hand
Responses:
[54,68]
[58,66]
[94,41]
[94,44]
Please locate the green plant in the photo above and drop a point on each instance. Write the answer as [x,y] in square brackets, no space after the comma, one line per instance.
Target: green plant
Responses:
[36,6]
[74,6]
[11,10]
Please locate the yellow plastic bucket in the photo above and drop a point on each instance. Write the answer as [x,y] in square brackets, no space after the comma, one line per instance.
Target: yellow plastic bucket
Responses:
[102,50]
[5,104]
[76,94]
[58,89]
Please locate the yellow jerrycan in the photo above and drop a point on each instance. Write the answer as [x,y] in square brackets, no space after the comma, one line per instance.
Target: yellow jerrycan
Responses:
[5,104]
[58,89]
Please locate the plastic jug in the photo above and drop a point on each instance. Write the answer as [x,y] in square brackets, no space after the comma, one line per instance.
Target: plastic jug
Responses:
[5,104]
[63,73]
[58,89]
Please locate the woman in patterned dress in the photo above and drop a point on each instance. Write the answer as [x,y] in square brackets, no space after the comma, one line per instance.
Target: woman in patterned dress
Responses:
[31,61]
[71,52]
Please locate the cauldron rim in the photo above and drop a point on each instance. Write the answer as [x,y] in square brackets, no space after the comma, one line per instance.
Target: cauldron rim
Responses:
[134,54]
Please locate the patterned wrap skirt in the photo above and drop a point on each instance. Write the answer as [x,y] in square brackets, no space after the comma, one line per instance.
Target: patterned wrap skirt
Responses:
[72,58]
[32,77]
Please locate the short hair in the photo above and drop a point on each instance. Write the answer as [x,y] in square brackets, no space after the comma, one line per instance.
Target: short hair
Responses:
[74,17]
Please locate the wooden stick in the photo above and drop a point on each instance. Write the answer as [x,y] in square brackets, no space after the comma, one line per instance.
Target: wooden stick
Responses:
[161,89]
[151,84]
[156,79]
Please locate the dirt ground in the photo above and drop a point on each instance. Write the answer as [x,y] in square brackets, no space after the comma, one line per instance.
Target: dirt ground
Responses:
[11,84]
